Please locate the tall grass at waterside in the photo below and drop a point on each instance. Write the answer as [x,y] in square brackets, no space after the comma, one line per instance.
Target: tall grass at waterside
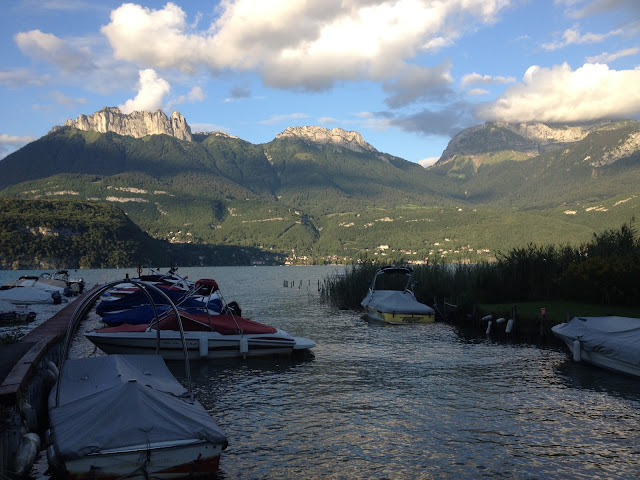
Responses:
[429,282]
[604,271]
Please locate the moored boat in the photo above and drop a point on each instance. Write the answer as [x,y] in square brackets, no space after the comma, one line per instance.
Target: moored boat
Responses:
[207,336]
[395,306]
[212,328]
[127,417]
[610,342]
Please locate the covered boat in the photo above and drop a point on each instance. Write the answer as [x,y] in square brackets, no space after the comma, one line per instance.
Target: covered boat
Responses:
[127,417]
[611,342]
[395,306]
[29,296]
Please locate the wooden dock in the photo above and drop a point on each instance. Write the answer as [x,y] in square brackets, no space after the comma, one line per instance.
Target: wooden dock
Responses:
[25,355]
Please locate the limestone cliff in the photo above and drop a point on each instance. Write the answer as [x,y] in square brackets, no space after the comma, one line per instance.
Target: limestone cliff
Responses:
[529,138]
[336,136]
[135,124]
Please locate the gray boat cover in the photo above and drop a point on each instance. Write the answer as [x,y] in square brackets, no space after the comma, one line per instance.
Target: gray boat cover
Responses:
[615,337]
[116,401]
[395,301]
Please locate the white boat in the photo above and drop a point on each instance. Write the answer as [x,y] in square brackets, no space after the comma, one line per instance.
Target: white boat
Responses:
[610,342]
[207,336]
[127,417]
[29,296]
[395,306]
[53,282]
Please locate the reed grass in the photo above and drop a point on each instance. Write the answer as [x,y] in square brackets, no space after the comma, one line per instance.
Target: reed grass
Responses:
[604,271]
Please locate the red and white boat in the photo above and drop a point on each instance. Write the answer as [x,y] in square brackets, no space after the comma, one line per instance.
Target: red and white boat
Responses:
[207,336]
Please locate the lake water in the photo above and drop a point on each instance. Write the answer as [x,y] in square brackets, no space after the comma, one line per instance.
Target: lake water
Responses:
[403,402]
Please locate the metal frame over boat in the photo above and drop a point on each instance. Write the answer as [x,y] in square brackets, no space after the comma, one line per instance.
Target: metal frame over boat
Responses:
[396,307]
[207,335]
[127,417]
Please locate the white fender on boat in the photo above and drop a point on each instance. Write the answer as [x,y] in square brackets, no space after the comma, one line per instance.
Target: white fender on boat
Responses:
[576,350]
[53,367]
[244,346]
[509,326]
[486,318]
[204,347]
[500,320]
[26,454]
[489,327]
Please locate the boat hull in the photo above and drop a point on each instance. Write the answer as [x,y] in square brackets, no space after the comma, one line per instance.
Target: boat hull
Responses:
[199,346]
[394,318]
[161,462]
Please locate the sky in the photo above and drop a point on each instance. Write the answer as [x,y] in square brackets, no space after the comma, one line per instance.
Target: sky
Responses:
[408,75]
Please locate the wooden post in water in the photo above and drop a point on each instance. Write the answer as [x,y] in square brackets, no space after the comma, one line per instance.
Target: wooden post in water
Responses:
[543,314]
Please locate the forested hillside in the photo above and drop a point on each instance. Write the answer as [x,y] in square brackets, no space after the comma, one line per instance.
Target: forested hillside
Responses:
[303,201]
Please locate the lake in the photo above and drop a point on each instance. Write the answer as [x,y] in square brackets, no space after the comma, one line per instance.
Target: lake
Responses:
[401,402]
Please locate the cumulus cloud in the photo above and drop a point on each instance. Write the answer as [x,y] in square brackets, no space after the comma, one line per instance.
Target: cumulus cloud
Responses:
[48,48]
[427,162]
[11,143]
[151,91]
[560,94]
[304,45]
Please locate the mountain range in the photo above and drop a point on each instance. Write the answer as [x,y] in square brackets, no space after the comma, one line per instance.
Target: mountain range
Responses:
[316,194]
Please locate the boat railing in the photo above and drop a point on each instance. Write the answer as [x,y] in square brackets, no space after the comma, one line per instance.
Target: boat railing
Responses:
[85,305]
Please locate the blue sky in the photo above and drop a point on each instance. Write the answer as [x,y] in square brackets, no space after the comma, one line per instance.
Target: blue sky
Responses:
[407,74]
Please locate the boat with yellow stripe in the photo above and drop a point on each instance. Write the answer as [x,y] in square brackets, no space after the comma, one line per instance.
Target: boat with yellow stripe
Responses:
[395,306]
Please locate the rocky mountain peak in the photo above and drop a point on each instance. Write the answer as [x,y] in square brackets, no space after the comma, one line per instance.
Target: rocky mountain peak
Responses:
[530,138]
[134,124]
[335,136]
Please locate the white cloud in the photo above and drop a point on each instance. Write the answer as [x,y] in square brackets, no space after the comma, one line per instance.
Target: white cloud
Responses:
[46,47]
[560,94]
[427,162]
[474,92]
[22,77]
[612,57]
[274,119]
[477,79]
[327,120]
[206,127]
[573,36]
[66,101]
[11,143]
[151,91]
[196,94]
[304,45]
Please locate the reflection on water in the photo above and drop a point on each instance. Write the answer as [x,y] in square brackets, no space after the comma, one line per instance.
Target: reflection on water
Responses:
[406,402]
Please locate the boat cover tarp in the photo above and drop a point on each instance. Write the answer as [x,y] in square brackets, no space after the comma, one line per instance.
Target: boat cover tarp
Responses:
[143,314]
[115,401]
[395,301]
[614,337]
[25,295]
[138,297]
